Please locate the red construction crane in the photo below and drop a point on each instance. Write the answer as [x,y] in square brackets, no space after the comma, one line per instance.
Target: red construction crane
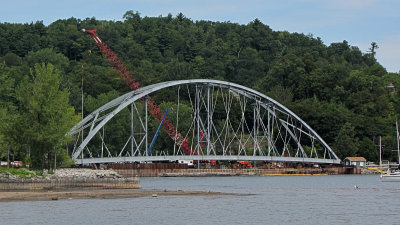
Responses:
[127,77]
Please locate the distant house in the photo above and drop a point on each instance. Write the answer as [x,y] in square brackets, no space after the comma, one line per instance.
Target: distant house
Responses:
[355,161]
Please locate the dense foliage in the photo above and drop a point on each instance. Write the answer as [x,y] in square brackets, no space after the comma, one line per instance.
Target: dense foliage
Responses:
[339,91]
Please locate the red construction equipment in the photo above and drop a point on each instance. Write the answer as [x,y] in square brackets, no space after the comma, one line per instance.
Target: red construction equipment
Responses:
[245,164]
[127,77]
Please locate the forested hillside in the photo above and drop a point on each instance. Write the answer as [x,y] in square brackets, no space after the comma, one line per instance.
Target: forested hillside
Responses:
[341,92]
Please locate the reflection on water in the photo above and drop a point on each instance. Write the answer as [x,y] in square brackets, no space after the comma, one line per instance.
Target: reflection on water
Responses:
[275,200]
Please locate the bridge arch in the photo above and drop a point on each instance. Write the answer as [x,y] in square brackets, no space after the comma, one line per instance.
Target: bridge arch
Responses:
[280,119]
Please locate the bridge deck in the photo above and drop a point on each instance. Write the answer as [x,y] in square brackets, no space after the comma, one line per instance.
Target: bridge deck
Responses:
[196,157]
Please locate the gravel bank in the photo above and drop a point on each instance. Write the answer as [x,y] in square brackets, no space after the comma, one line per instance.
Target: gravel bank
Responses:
[95,194]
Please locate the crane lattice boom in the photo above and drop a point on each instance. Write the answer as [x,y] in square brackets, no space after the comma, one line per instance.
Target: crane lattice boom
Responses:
[127,77]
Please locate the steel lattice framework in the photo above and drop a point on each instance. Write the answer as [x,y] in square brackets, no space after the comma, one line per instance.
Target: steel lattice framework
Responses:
[228,122]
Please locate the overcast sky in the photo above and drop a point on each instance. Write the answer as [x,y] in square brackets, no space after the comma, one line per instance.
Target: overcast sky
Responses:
[360,22]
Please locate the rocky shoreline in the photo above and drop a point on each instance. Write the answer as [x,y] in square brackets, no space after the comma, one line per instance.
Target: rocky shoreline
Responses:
[68,173]
[84,173]
[70,179]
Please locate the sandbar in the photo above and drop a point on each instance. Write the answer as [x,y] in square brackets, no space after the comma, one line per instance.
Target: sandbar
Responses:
[8,196]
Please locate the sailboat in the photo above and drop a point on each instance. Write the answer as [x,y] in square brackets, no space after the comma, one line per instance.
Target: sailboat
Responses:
[393,175]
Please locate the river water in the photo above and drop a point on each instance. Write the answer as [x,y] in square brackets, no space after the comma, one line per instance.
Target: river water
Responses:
[271,200]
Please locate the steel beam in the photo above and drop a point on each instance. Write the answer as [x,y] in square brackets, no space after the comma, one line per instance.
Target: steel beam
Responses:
[175,158]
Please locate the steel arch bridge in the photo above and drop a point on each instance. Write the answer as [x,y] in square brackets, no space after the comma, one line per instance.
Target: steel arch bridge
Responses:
[227,122]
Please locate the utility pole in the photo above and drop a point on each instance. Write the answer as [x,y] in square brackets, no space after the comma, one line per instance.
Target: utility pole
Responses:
[55,160]
[398,143]
[82,106]
[8,157]
[380,152]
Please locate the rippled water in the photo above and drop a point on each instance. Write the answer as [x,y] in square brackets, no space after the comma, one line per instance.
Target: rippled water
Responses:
[273,200]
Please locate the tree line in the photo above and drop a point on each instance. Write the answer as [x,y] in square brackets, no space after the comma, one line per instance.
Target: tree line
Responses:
[341,92]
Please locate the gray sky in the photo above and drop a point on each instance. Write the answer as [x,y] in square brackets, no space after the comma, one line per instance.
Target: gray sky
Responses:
[360,22]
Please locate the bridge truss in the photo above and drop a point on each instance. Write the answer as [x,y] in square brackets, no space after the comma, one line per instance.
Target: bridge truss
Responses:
[223,121]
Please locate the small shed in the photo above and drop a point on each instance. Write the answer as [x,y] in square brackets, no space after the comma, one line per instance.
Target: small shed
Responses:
[355,161]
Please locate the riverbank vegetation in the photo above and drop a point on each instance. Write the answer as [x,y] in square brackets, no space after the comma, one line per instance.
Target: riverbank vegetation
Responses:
[341,91]
[21,172]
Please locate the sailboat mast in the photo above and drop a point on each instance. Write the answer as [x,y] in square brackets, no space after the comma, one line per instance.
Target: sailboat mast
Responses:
[398,142]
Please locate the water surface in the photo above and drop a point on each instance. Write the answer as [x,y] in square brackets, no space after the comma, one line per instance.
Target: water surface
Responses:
[272,200]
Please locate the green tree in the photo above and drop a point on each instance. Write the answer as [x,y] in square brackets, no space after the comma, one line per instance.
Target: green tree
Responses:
[368,149]
[373,47]
[6,107]
[3,143]
[346,144]
[47,55]
[282,95]
[46,114]
[11,59]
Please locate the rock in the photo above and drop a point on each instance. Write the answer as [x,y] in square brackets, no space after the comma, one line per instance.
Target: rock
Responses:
[84,173]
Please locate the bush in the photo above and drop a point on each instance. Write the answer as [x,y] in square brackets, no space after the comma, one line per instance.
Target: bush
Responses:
[21,172]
